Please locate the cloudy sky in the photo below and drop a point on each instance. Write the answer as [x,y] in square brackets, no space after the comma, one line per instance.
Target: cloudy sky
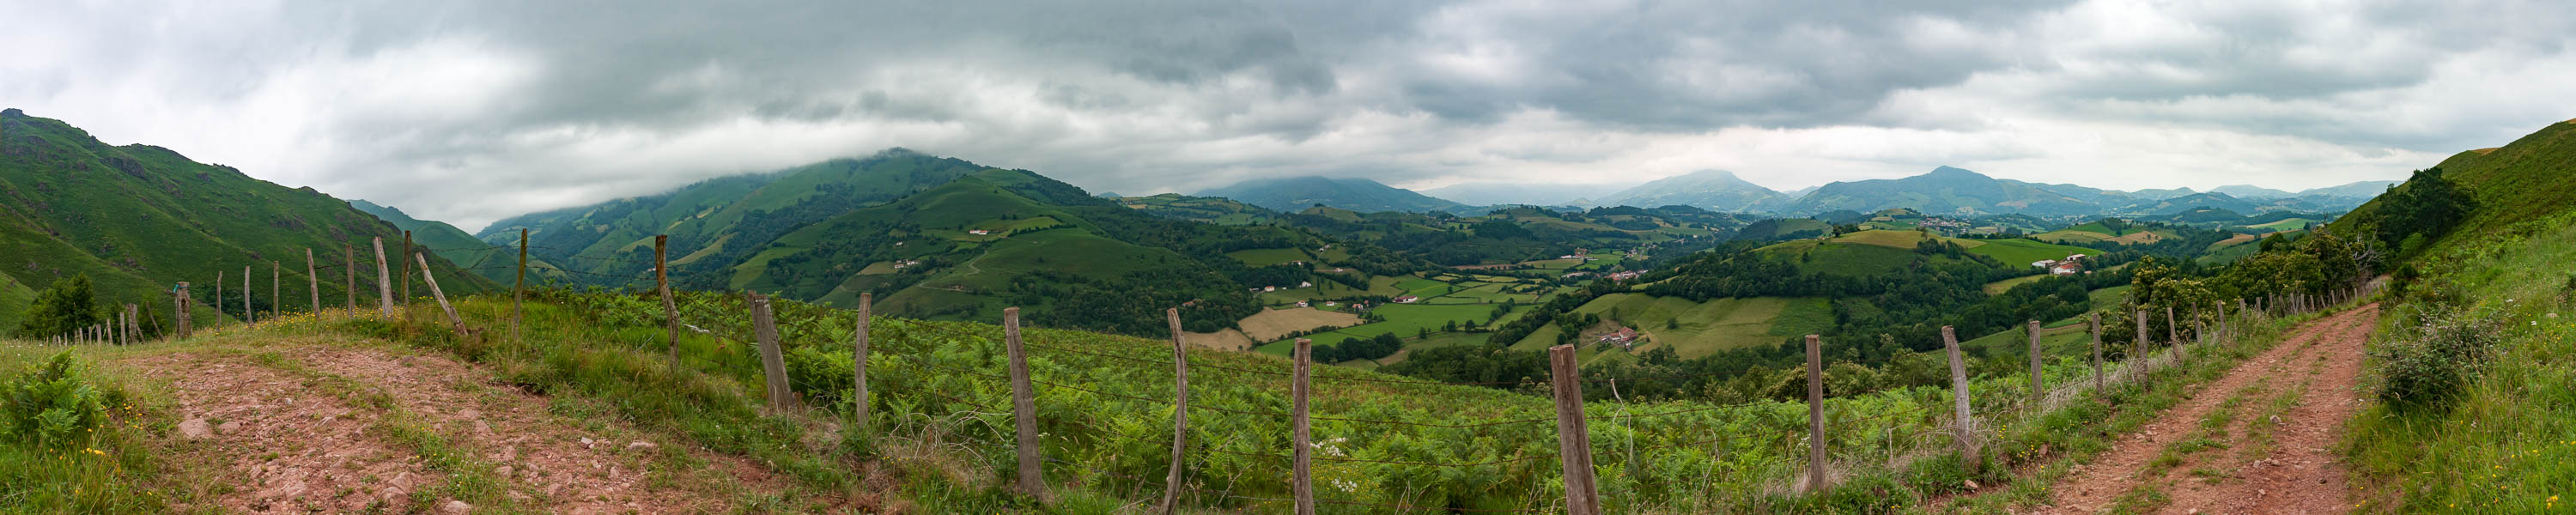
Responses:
[469,111]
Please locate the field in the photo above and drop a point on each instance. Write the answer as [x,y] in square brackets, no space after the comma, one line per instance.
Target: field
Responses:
[1699,329]
[1227,340]
[1383,285]
[2024,252]
[2284,225]
[1273,324]
[1402,320]
[1998,287]
[1876,252]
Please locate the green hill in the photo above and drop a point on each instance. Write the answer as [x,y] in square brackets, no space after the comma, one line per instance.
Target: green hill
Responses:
[138,218]
[498,262]
[1298,193]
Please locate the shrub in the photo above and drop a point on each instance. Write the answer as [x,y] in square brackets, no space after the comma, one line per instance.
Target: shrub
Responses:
[50,407]
[2436,360]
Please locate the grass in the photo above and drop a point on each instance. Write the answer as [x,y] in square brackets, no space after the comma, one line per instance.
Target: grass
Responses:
[1268,257]
[2024,252]
[132,462]
[1998,287]
[1402,320]
[1693,329]
[2508,443]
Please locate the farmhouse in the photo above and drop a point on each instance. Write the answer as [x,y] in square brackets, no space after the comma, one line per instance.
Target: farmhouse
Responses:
[979,232]
[1408,299]
[1623,336]
[1305,284]
[1301,303]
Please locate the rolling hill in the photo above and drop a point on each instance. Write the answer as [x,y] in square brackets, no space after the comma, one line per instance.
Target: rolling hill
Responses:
[1714,190]
[498,262]
[1944,191]
[1295,194]
[137,218]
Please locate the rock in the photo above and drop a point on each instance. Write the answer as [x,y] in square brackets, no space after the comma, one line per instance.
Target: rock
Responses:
[456,508]
[586,442]
[503,471]
[195,429]
[1972,484]
[469,414]
[392,495]
[229,427]
[641,445]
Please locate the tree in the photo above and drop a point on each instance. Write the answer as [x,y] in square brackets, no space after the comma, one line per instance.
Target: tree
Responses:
[2428,205]
[68,305]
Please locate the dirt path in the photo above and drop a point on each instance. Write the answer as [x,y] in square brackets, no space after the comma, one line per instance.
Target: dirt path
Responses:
[2255,441]
[341,429]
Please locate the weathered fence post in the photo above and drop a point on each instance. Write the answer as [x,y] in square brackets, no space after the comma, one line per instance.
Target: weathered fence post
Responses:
[662,282]
[1815,415]
[2138,349]
[1301,480]
[384,281]
[1573,435]
[2093,323]
[1180,407]
[406,276]
[312,283]
[250,315]
[1024,407]
[2173,331]
[456,322]
[1959,395]
[2199,331]
[181,310]
[219,299]
[773,362]
[276,293]
[859,360]
[349,276]
[2038,383]
[519,286]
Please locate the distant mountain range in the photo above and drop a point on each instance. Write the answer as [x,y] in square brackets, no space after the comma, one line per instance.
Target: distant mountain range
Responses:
[498,262]
[1715,190]
[1295,194]
[1505,194]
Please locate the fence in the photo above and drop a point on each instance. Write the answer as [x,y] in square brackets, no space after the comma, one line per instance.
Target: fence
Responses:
[1835,436]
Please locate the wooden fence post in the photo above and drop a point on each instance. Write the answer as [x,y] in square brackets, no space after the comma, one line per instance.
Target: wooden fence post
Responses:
[219,299]
[276,293]
[312,283]
[519,287]
[456,322]
[181,310]
[250,315]
[2093,321]
[2038,383]
[1573,434]
[406,276]
[2173,332]
[859,360]
[773,362]
[349,276]
[1815,415]
[1959,395]
[384,281]
[1180,407]
[1301,477]
[662,282]
[2138,349]
[2199,329]
[1024,407]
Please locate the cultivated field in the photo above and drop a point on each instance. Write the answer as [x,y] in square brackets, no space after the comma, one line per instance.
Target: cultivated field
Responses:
[1273,324]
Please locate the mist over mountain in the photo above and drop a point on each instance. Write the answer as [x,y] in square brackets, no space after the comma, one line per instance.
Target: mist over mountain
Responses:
[1500,193]
[1295,194]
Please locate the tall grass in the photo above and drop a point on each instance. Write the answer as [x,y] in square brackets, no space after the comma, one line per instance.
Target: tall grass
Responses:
[76,439]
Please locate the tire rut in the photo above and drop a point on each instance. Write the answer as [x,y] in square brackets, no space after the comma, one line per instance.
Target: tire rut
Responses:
[2298,473]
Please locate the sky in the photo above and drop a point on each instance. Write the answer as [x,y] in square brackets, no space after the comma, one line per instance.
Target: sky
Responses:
[472,110]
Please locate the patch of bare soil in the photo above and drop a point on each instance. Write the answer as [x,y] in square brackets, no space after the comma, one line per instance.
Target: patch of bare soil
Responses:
[294,449]
[577,466]
[2296,472]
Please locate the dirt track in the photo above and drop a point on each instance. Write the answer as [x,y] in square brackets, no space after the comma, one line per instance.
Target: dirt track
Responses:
[2257,440]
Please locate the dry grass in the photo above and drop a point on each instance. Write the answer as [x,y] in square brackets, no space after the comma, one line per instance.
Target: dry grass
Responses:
[1277,323]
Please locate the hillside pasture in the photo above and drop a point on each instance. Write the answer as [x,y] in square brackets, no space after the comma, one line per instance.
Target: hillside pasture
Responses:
[2284,225]
[1998,287]
[1268,257]
[2019,252]
[1696,329]
[1402,320]
[1273,324]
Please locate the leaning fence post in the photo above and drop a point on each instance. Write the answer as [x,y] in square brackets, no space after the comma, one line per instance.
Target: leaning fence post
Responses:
[773,363]
[1024,407]
[181,309]
[457,322]
[312,283]
[859,360]
[1180,408]
[384,281]
[1959,395]
[2038,383]
[1301,480]
[1815,415]
[1573,436]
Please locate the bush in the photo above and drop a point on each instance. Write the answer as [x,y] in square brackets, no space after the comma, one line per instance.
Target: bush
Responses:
[50,407]
[2436,360]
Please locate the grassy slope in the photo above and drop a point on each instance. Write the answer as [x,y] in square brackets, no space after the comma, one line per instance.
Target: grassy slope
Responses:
[2507,444]
[139,218]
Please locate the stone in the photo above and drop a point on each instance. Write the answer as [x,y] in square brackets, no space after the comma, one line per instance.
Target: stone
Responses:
[229,427]
[456,508]
[641,445]
[195,429]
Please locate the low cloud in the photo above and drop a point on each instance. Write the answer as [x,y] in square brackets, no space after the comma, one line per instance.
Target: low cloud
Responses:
[478,110]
